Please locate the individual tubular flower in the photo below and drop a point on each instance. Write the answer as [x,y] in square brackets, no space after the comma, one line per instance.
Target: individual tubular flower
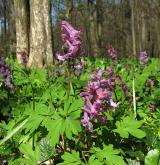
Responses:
[72,41]
[143,58]
[5,73]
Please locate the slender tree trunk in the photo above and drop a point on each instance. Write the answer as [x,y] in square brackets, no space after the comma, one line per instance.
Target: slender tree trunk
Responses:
[69,8]
[133,28]
[86,25]
[93,30]
[157,25]
[40,34]
[22,38]
[4,29]
[99,24]
[48,30]
[11,27]
[143,31]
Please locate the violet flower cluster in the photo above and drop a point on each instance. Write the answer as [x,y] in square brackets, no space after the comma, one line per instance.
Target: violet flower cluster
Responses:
[23,58]
[72,41]
[143,58]
[112,53]
[5,73]
[98,98]
[150,83]
[79,68]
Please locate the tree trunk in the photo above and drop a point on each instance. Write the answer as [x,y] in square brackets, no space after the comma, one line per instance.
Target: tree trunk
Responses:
[69,8]
[133,28]
[143,31]
[22,38]
[40,34]
[93,30]
[99,24]
[11,27]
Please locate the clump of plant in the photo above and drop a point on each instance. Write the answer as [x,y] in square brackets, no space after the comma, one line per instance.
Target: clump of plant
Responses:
[80,111]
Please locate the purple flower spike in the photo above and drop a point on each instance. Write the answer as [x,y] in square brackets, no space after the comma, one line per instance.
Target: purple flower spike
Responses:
[98,98]
[110,71]
[152,108]
[23,57]
[143,58]
[99,75]
[112,53]
[150,83]
[5,73]
[72,41]
[86,122]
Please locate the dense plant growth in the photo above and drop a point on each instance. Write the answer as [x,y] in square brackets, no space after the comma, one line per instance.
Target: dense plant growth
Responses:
[81,111]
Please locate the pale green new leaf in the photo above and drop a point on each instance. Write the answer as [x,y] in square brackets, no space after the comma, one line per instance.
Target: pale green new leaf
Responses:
[153,157]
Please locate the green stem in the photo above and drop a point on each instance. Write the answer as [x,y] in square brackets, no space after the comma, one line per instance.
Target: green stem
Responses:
[70,88]
[33,98]
[69,81]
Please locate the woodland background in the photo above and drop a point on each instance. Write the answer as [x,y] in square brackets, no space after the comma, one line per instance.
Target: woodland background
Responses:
[33,27]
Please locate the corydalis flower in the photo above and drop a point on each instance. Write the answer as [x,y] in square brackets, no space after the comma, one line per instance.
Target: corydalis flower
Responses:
[110,71]
[80,65]
[112,53]
[23,57]
[123,86]
[5,73]
[56,72]
[97,99]
[72,42]
[152,108]
[79,68]
[143,58]
[150,83]
[86,121]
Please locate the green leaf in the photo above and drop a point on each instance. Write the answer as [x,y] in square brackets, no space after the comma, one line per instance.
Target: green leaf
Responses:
[65,121]
[36,116]
[71,159]
[14,131]
[109,155]
[153,157]
[128,126]
[54,128]
[29,154]
[94,161]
